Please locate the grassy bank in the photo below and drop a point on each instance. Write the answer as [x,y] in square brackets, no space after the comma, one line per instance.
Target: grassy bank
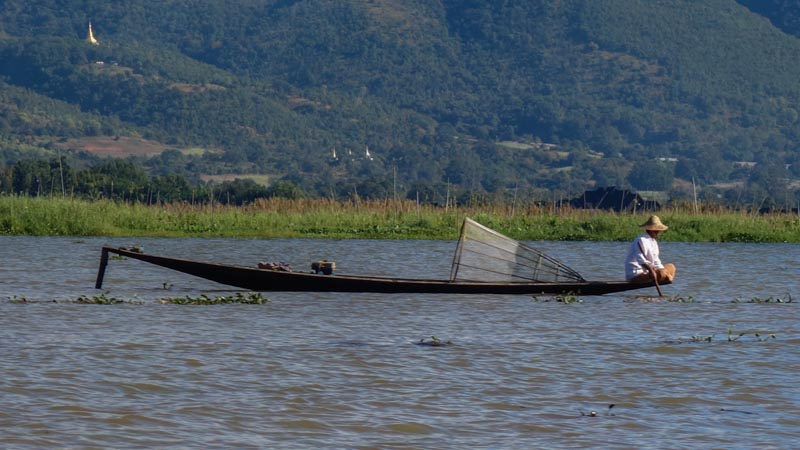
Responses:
[277,218]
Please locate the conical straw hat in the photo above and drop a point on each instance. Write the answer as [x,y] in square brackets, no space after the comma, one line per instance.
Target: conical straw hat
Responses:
[654,223]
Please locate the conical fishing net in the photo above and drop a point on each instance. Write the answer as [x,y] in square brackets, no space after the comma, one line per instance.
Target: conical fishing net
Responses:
[486,255]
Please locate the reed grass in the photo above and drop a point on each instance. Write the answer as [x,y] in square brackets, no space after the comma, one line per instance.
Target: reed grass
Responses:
[281,218]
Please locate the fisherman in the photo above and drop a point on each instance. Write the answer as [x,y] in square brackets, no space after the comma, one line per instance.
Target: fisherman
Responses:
[643,260]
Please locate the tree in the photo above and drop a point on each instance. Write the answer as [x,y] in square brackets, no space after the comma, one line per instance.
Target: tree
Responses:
[424,193]
[239,191]
[115,179]
[285,189]
[771,179]
[169,188]
[651,175]
[610,172]
[27,176]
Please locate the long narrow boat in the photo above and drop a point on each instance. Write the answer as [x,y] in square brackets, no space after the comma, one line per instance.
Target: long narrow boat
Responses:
[469,253]
[255,279]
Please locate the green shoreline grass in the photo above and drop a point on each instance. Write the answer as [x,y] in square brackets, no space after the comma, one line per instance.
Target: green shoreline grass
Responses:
[278,218]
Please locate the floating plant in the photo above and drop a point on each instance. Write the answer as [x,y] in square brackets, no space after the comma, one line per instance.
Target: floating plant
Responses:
[693,339]
[659,299]
[732,336]
[253,298]
[770,299]
[566,298]
[101,299]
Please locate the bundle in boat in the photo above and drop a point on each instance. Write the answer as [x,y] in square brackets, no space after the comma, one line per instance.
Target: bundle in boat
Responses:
[483,254]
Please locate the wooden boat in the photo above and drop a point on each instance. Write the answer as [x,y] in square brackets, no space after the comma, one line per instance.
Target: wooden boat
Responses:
[485,262]
[255,279]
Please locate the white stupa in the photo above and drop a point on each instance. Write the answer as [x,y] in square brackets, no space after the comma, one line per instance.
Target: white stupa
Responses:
[90,36]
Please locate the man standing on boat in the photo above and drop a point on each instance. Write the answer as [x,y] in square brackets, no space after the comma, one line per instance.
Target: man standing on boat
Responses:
[643,260]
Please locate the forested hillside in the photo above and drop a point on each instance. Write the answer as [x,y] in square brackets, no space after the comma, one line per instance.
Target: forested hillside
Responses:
[784,14]
[486,100]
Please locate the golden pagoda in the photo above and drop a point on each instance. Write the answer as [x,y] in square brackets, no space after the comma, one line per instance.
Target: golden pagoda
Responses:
[90,36]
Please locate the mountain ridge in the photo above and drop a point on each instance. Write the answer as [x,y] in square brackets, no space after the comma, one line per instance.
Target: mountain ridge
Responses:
[431,87]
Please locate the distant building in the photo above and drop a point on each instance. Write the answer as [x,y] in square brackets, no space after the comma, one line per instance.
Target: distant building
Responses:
[611,198]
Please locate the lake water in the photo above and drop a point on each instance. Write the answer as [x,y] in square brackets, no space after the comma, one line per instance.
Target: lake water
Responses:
[344,371]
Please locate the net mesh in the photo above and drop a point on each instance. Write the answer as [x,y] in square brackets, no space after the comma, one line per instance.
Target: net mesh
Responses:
[486,255]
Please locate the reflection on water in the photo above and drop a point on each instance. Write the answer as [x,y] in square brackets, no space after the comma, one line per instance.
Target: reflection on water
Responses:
[342,370]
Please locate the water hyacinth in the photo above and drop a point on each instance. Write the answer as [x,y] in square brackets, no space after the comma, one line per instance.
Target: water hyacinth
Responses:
[253,298]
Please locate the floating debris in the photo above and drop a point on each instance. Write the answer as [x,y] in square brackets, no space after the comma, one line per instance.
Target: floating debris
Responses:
[737,411]
[433,341]
[594,413]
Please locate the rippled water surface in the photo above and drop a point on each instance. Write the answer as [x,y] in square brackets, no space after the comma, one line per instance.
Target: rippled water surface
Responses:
[344,370]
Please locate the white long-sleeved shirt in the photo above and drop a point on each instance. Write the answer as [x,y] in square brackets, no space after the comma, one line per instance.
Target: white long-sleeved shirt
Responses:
[638,256]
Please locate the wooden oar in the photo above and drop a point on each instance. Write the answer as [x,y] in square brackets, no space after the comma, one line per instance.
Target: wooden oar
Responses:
[655,279]
[653,271]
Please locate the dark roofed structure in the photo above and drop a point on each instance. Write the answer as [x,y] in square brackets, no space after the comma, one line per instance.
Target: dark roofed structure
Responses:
[611,198]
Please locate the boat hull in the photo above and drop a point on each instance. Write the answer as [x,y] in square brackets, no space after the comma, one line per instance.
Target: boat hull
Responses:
[265,280]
